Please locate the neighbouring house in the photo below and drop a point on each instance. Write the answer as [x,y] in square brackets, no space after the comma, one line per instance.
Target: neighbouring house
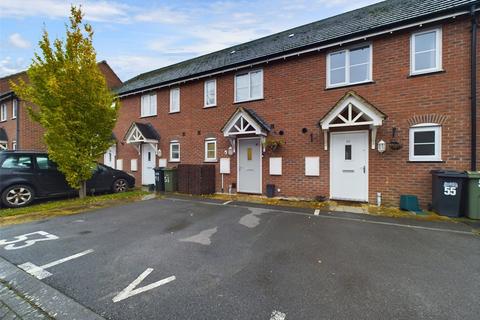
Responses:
[352,107]
[17,130]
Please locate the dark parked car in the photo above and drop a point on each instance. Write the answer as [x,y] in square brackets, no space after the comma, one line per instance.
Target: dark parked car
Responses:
[25,176]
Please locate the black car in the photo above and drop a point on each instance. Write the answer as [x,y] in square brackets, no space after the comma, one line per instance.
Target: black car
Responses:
[25,176]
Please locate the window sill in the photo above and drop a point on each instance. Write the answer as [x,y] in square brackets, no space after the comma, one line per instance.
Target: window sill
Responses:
[173,112]
[174,161]
[14,118]
[251,100]
[153,115]
[426,161]
[425,73]
[349,85]
[3,120]
[208,107]
[211,161]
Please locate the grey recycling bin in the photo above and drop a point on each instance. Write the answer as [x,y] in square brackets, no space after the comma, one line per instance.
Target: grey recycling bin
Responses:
[448,192]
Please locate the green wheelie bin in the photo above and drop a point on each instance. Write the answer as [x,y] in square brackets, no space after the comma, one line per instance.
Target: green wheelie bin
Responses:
[473,195]
[170,178]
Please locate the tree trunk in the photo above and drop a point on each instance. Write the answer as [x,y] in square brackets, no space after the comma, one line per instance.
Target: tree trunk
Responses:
[82,193]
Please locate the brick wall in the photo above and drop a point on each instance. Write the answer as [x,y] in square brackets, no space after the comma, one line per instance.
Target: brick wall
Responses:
[295,97]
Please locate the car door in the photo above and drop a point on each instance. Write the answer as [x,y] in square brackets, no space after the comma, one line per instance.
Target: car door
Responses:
[50,180]
[101,180]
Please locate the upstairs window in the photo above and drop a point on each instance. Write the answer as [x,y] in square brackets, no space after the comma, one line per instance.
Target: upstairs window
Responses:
[174,151]
[249,86]
[349,66]
[425,142]
[3,112]
[148,105]
[174,100]
[210,93]
[211,150]
[426,51]
[14,108]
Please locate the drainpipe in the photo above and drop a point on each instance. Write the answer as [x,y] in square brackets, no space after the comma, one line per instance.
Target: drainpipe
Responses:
[473,88]
[18,124]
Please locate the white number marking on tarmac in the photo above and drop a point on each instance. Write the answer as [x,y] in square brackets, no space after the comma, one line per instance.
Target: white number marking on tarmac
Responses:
[131,291]
[40,272]
[277,315]
[12,244]
[317,212]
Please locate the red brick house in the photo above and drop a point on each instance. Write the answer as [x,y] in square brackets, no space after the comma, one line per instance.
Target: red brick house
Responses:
[352,107]
[17,130]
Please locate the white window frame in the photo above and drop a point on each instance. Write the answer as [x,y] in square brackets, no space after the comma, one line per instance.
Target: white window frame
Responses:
[438,51]
[207,142]
[172,143]
[3,112]
[172,91]
[146,111]
[347,66]
[14,145]
[14,108]
[3,146]
[438,141]
[206,105]
[249,86]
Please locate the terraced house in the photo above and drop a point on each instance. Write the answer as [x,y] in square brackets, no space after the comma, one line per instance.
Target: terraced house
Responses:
[17,130]
[355,107]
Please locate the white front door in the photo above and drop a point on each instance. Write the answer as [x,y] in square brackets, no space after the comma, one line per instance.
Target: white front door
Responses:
[148,163]
[110,156]
[249,161]
[349,166]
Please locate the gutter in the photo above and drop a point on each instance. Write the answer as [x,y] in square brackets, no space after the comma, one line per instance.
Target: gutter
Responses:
[473,88]
[295,53]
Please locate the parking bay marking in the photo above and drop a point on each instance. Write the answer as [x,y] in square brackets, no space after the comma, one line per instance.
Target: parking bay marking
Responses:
[12,244]
[39,272]
[277,315]
[130,290]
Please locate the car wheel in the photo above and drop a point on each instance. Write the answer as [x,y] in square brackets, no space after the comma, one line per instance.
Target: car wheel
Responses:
[18,196]
[120,185]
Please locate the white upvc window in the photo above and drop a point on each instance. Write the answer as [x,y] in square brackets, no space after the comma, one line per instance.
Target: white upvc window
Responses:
[426,51]
[211,149]
[249,86]
[210,93]
[174,100]
[349,66]
[174,151]
[3,112]
[14,145]
[148,105]
[3,146]
[425,142]
[14,108]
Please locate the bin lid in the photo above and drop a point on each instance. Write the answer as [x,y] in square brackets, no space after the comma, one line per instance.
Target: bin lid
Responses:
[449,173]
[169,169]
[473,174]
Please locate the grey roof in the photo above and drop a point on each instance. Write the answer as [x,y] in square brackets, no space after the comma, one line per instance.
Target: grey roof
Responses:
[3,135]
[259,119]
[148,131]
[358,22]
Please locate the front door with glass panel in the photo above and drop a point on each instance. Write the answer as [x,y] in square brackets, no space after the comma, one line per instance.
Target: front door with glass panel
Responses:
[148,163]
[349,166]
[249,165]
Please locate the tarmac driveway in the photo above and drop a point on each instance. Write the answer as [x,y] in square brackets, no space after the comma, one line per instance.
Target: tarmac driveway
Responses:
[185,259]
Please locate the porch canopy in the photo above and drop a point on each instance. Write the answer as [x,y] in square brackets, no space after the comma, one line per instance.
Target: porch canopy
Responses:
[245,122]
[3,139]
[352,110]
[139,133]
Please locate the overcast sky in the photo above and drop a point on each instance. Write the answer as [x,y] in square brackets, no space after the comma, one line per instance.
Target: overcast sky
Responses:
[139,36]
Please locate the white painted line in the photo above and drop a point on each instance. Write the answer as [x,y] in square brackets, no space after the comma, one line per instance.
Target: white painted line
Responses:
[227,202]
[24,238]
[333,217]
[39,272]
[277,315]
[130,290]
[317,212]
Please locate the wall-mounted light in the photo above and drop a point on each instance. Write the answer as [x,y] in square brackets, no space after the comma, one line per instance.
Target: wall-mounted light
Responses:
[230,151]
[159,152]
[382,146]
